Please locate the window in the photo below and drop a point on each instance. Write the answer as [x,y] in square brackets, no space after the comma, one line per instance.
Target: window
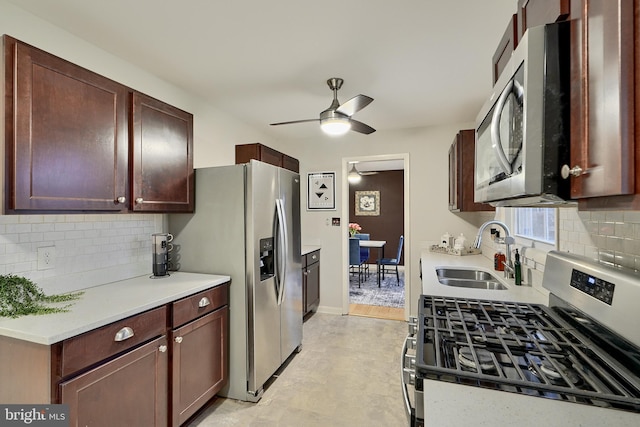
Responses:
[537,224]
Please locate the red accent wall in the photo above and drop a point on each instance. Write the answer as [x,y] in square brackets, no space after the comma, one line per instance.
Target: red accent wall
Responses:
[389,225]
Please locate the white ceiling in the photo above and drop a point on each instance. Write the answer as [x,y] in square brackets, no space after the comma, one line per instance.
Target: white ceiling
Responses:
[425,62]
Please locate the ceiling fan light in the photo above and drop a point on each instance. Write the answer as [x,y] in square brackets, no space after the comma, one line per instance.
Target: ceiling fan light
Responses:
[354,176]
[335,126]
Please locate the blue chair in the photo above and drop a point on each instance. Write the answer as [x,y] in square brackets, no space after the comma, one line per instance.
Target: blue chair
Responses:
[392,261]
[355,262]
[364,252]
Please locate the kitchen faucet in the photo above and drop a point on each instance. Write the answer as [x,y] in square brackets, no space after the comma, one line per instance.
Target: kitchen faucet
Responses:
[508,241]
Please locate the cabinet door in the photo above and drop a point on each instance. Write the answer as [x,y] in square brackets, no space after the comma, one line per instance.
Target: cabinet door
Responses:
[200,363]
[66,133]
[162,157]
[532,13]
[454,178]
[506,46]
[461,174]
[312,281]
[602,104]
[130,390]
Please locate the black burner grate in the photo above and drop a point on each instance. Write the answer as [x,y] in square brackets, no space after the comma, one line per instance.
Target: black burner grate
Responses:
[521,348]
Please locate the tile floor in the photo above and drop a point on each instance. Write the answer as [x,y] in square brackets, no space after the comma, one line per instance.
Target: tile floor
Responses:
[347,374]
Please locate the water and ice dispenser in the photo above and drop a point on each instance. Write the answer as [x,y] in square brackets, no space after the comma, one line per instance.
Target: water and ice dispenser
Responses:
[267,264]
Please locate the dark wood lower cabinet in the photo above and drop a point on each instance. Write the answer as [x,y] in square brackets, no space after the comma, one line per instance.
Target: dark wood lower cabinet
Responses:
[128,373]
[199,363]
[310,282]
[130,390]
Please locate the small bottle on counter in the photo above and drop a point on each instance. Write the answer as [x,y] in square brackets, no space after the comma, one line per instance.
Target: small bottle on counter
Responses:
[498,261]
[517,269]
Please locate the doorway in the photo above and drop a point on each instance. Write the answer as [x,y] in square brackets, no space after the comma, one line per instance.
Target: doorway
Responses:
[383,214]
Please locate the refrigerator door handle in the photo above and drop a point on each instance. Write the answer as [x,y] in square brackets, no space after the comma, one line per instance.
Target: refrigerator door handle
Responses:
[282,250]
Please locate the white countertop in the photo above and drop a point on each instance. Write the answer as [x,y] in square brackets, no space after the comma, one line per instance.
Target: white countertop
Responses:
[104,304]
[431,285]
[307,249]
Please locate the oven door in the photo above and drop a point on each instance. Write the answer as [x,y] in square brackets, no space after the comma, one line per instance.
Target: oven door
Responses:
[412,393]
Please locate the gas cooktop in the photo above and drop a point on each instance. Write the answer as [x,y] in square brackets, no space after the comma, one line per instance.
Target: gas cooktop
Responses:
[570,351]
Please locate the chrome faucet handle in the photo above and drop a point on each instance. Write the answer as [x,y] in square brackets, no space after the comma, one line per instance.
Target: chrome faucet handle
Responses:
[509,272]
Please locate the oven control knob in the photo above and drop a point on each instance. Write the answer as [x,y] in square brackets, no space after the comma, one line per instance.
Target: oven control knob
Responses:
[413,328]
[409,376]
[410,361]
[566,171]
[411,343]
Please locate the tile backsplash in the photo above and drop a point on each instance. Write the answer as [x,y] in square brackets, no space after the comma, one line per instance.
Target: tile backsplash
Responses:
[612,237]
[89,250]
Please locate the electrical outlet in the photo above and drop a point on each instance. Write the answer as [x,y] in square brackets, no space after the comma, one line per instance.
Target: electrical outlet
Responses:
[46,257]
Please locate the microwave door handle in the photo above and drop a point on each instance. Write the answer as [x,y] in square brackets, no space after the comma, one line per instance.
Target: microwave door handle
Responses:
[496,144]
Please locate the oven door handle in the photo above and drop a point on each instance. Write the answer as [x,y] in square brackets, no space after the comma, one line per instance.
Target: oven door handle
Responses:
[403,372]
[496,142]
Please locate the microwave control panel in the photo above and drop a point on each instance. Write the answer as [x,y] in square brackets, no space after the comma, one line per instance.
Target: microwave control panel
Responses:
[591,285]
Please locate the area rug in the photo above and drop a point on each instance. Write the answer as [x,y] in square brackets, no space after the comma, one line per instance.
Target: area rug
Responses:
[389,294]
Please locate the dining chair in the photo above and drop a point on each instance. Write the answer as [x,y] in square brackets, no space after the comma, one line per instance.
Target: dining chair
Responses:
[355,262]
[364,252]
[392,261]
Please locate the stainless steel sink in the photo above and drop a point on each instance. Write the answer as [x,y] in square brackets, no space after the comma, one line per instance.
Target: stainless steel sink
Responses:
[475,284]
[469,278]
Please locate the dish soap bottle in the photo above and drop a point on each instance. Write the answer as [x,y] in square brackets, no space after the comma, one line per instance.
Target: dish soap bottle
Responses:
[517,269]
[498,261]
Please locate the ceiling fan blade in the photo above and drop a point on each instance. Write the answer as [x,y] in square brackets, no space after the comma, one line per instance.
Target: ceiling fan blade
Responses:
[354,105]
[361,127]
[368,173]
[295,121]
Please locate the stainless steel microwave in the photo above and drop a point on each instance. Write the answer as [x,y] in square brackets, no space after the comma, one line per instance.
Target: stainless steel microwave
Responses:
[522,131]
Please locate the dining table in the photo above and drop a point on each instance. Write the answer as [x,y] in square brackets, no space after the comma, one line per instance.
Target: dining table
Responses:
[375,244]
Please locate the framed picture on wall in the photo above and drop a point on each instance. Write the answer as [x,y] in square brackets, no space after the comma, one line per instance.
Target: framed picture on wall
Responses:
[367,203]
[321,191]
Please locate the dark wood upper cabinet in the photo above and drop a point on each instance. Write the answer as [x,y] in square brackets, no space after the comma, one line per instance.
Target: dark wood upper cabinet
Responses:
[507,44]
[532,13]
[80,142]
[161,157]
[257,151]
[603,114]
[68,149]
[461,174]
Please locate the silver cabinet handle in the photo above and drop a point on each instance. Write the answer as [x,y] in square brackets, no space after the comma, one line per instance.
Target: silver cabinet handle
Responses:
[121,199]
[566,171]
[123,334]
[139,200]
[178,339]
[204,302]
[162,348]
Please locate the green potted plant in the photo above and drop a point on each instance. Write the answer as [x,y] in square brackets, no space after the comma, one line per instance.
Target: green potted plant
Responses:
[19,296]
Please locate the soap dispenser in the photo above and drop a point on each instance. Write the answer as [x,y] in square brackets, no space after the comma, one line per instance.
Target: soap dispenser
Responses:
[517,269]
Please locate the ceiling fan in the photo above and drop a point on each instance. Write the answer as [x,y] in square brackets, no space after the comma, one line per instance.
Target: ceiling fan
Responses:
[355,175]
[336,120]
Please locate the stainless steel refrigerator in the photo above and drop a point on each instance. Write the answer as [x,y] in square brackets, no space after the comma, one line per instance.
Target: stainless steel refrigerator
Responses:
[247,225]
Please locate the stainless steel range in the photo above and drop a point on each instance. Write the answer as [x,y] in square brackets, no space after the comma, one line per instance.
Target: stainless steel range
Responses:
[582,350]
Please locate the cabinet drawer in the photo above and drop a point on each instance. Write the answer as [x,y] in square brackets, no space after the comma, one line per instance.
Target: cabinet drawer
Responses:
[91,347]
[311,258]
[189,308]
